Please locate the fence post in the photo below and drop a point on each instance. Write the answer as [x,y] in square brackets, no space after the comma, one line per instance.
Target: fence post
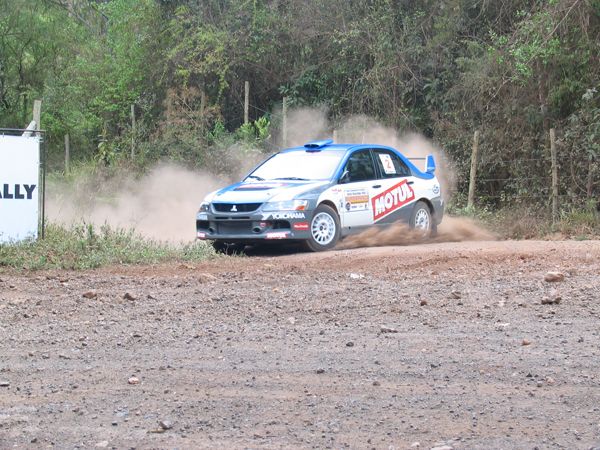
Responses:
[37,114]
[132,131]
[246,101]
[589,186]
[473,175]
[554,175]
[284,121]
[24,110]
[202,103]
[67,153]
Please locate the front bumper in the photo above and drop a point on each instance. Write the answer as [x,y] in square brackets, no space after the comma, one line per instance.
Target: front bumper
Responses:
[256,226]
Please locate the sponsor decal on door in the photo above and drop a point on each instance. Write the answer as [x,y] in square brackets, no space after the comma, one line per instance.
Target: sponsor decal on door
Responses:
[392,199]
[356,199]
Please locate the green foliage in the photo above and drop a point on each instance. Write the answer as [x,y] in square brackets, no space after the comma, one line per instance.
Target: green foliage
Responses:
[200,54]
[255,132]
[512,69]
[533,43]
[88,64]
[85,247]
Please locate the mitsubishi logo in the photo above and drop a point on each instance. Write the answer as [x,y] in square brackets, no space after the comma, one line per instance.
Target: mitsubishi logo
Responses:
[234,208]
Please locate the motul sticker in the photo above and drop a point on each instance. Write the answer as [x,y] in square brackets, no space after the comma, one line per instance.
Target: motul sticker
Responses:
[394,198]
[301,226]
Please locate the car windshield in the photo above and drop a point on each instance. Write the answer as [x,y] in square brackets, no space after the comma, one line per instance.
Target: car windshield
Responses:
[299,165]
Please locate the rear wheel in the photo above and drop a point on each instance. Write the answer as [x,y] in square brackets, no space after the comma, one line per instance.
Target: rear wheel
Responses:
[324,229]
[421,219]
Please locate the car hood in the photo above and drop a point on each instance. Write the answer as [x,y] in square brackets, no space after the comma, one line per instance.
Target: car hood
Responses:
[263,191]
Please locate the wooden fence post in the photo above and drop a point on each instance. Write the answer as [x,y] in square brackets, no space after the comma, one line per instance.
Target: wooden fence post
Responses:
[67,153]
[132,131]
[37,114]
[24,110]
[589,185]
[246,101]
[473,175]
[202,110]
[554,175]
[284,121]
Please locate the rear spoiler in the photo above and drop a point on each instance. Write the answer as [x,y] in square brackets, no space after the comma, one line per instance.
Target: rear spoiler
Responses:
[429,165]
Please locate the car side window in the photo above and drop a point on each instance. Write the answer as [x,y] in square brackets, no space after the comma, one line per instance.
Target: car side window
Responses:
[359,167]
[390,165]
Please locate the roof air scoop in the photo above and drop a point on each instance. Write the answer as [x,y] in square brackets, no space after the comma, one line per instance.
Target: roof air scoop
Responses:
[430,166]
[317,145]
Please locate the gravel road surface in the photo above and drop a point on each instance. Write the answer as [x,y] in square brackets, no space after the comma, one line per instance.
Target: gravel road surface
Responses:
[454,345]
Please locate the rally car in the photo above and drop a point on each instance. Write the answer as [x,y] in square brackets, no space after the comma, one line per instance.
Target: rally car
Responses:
[320,193]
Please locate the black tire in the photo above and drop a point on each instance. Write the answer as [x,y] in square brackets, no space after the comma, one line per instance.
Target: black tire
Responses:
[421,219]
[324,229]
[227,248]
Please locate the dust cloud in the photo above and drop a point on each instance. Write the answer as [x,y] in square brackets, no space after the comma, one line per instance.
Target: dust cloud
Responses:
[452,229]
[311,123]
[305,125]
[161,205]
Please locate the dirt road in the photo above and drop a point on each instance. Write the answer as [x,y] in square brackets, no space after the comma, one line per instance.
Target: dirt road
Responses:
[393,347]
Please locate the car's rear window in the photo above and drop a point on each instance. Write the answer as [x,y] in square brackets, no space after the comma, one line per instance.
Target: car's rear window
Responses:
[300,165]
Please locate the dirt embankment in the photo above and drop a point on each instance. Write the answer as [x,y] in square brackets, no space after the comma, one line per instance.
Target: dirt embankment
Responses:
[390,347]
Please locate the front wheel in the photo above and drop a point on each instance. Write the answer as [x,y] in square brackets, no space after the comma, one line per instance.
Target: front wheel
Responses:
[324,229]
[421,219]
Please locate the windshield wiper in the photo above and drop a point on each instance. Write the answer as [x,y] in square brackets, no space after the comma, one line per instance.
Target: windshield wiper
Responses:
[255,177]
[292,178]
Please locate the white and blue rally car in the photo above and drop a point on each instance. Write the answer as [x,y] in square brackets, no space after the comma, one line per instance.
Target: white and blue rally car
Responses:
[319,193]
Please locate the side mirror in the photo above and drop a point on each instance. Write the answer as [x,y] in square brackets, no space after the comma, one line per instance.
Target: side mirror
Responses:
[345,178]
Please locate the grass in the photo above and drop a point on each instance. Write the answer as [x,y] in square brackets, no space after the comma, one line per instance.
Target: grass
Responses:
[529,222]
[86,247]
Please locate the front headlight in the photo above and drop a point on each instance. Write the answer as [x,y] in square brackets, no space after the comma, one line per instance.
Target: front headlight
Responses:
[204,207]
[288,205]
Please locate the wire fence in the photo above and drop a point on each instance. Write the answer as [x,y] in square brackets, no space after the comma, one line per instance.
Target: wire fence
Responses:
[546,178]
[545,181]
[554,183]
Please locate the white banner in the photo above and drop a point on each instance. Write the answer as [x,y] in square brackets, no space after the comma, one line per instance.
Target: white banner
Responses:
[19,187]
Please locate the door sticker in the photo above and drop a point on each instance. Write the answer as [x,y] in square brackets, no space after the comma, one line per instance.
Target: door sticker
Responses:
[392,199]
[388,164]
[356,199]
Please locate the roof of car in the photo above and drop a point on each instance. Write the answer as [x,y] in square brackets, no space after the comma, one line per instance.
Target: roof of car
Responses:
[328,145]
[332,147]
